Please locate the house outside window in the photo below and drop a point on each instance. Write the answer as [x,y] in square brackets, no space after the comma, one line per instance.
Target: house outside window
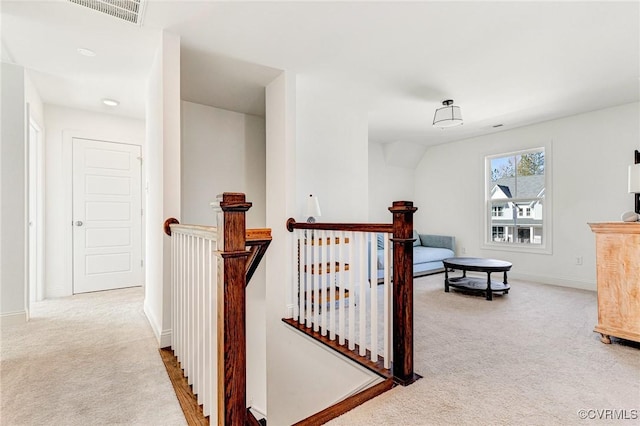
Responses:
[498,233]
[517,204]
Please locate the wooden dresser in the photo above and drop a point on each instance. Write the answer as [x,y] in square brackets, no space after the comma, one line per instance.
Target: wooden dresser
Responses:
[618,276]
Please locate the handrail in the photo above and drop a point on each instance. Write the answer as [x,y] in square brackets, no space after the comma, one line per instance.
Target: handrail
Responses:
[355,227]
[208,232]
[252,236]
[258,241]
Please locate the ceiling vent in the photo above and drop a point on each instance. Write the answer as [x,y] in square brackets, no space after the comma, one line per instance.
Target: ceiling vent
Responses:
[127,10]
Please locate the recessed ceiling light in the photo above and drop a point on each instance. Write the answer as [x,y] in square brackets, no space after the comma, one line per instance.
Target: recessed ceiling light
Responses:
[110,102]
[86,52]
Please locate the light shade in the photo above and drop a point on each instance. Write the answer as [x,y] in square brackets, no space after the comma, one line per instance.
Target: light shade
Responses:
[86,52]
[447,116]
[313,208]
[634,178]
[110,102]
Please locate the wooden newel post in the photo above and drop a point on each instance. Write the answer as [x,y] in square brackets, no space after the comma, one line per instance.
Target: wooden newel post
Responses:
[232,343]
[403,291]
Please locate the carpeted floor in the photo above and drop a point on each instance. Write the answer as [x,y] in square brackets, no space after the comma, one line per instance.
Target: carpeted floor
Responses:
[89,359]
[526,358]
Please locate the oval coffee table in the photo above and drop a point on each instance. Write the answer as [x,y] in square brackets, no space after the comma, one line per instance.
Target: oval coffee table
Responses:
[477,264]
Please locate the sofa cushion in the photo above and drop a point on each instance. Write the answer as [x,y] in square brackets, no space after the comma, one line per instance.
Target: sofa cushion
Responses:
[430,254]
[429,240]
[423,255]
[416,236]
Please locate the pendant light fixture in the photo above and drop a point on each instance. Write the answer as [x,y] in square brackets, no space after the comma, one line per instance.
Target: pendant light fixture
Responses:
[448,115]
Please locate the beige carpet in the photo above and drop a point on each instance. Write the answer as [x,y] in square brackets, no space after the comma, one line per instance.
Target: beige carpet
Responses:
[527,358]
[89,359]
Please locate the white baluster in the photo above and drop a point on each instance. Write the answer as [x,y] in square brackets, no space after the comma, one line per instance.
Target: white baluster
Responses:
[203,307]
[324,286]
[315,268]
[342,282]
[387,302]
[192,312]
[178,350]
[185,304]
[308,277]
[331,249]
[373,285]
[362,289]
[352,293]
[187,346]
[205,327]
[200,319]
[174,265]
[213,331]
[183,301]
[196,320]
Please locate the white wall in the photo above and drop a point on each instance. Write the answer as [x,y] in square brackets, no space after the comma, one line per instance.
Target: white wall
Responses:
[62,124]
[589,159]
[32,97]
[13,215]
[311,142]
[222,151]
[162,174]
[331,156]
[387,184]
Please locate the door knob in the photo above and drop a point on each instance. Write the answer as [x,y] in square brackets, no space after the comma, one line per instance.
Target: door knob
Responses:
[78,223]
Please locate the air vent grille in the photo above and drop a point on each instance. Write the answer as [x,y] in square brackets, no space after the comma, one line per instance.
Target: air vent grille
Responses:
[127,10]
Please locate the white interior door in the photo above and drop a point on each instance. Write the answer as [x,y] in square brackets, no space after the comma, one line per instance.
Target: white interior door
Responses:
[107,216]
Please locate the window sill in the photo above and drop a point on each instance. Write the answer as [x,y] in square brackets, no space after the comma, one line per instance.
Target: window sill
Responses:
[517,248]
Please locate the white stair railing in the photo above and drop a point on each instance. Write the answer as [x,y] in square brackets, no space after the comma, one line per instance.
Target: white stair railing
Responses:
[342,288]
[194,301]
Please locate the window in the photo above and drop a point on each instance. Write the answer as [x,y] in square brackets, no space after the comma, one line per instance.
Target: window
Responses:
[517,206]
[498,233]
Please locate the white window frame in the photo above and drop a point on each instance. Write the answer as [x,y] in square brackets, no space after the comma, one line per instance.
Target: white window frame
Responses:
[547,229]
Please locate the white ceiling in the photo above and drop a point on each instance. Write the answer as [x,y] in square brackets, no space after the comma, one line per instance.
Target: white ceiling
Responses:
[511,63]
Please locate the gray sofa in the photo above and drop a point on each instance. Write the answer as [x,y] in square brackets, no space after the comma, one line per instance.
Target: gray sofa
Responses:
[428,253]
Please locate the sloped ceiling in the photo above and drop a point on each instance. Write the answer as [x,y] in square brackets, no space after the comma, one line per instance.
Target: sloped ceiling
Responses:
[403,154]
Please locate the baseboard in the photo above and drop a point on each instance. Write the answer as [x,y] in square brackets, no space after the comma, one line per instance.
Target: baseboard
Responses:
[258,412]
[560,282]
[290,310]
[347,404]
[165,338]
[162,336]
[12,318]
[373,381]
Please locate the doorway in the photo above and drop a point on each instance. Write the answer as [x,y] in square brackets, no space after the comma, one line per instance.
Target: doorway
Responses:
[107,215]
